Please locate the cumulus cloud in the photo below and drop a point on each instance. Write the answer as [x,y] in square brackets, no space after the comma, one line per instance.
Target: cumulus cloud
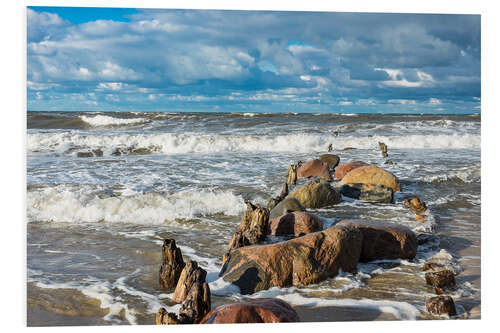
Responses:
[216,56]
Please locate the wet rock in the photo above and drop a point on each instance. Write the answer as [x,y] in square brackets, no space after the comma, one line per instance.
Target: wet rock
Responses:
[368,192]
[97,152]
[415,204]
[349,148]
[440,279]
[330,147]
[84,154]
[314,168]
[343,169]
[372,174]
[384,240]
[197,303]
[295,223]
[265,310]
[168,318]
[253,228]
[426,238]
[171,266]
[301,261]
[383,149]
[292,173]
[317,195]
[439,305]
[388,162]
[331,160]
[289,204]
[190,275]
[433,266]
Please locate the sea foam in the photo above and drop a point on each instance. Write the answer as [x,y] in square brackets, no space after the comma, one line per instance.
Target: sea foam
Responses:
[101,120]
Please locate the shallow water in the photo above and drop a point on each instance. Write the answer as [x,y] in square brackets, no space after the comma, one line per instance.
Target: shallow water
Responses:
[96,224]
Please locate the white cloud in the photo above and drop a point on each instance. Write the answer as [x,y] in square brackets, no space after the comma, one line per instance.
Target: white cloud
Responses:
[434,101]
[402,101]
[115,86]
[398,78]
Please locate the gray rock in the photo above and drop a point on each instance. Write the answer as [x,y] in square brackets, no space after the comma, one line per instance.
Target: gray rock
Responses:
[368,192]
[289,204]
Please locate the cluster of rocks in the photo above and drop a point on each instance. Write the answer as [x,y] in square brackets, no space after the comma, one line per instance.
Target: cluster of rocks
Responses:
[309,254]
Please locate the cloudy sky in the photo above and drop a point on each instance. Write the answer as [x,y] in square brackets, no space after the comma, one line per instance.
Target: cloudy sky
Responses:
[84,59]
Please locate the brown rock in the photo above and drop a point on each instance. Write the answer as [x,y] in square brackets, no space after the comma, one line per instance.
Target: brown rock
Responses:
[190,275]
[417,206]
[295,223]
[317,195]
[171,266]
[343,169]
[383,149]
[432,266]
[314,168]
[331,160]
[441,305]
[348,148]
[265,310]
[372,174]
[384,240]
[301,261]
[440,279]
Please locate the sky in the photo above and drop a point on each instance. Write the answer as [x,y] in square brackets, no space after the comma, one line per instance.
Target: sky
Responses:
[124,59]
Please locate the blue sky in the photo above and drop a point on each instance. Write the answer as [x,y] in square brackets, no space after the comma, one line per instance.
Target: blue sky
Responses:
[105,59]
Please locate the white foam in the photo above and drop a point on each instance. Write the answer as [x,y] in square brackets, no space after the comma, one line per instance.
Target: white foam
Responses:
[101,120]
[63,204]
[170,143]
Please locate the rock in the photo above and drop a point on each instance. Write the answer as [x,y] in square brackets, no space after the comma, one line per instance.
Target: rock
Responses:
[388,162]
[331,160]
[253,228]
[197,303]
[372,174]
[417,206]
[330,147]
[84,154]
[190,275]
[368,192]
[289,204]
[383,149]
[97,152]
[441,305]
[316,195]
[171,266]
[384,240]
[168,318]
[440,279]
[432,266]
[349,148]
[343,169]
[292,173]
[314,168]
[301,261]
[264,310]
[295,223]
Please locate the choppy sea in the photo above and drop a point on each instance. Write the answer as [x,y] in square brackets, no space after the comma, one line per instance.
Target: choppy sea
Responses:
[104,190]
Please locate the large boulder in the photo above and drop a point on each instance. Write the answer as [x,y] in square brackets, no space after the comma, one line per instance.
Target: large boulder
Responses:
[372,174]
[289,204]
[301,261]
[295,223]
[314,168]
[330,159]
[368,192]
[317,195]
[264,310]
[384,240]
[343,169]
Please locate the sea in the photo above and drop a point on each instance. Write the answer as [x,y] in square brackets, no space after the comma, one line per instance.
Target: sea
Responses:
[105,188]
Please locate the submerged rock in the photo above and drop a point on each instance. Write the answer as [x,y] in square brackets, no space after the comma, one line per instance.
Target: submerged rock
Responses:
[316,195]
[368,192]
[295,223]
[331,160]
[372,174]
[441,279]
[314,168]
[190,275]
[343,169]
[383,149]
[415,204]
[439,305]
[171,266]
[289,204]
[384,240]
[265,310]
[301,261]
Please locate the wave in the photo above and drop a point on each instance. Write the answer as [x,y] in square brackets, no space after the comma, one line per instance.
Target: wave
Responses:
[101,120]
[63,203]
[466,175]
[169,143]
